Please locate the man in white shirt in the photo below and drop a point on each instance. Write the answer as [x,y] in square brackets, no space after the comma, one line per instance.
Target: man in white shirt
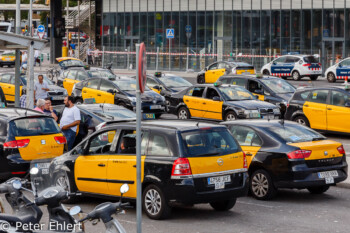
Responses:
[69,121]
[36,57]
[41,88]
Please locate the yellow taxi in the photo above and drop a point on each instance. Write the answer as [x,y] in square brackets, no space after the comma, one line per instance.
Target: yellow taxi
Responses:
[7,58]
[214,71]
[182,162]
[321,108]
[7,83]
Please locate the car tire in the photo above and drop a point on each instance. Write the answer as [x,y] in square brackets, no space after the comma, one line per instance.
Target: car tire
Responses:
[313,77]
[79,101]
[318,189]
[230,116]
[331,77]
[223,205]
[261,185]
[154,203]
[296,76]
[201,79]
[266,72]
[302,120]
[183,113]
[63,180]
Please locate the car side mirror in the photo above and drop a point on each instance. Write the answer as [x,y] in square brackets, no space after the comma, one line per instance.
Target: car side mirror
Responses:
[260,92]
[111,91]
[256,97]
[216,98]
[206,69]
[340,65]
[347,104]
[157,87]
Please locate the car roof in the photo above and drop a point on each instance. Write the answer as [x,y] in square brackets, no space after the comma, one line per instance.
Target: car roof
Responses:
[98,69]
[252,76]
[309,88]
[9,114]
[90,107]
[259,123]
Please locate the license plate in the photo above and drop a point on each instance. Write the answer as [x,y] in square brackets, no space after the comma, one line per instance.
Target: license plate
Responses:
[328,174]
[57,97]
[269,117]
[148,116]
[329,180]
[219,181]
[156,107]
[42,165]
[8,59]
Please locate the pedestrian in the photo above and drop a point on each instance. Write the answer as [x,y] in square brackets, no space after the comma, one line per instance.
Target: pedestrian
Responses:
[41,88]
[23,99]
[97,57]
[36,57]
[24,58]
[70,52]
[338,59]
[69,121]
[48,110]
[40,104]
[89,55]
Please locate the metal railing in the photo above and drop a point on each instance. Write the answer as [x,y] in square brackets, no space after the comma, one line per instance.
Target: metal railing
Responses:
[74,19]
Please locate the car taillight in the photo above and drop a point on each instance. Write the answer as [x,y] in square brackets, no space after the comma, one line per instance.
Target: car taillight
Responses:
[181,167]
[61,139]
[245,163]
[299,154]
[287,105]
[16,144]
[341,150]
[307,64]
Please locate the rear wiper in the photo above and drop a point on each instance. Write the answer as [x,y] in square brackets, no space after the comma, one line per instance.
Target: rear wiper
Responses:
[318,139]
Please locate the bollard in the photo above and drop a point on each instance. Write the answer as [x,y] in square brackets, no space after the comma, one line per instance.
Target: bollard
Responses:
[41,57]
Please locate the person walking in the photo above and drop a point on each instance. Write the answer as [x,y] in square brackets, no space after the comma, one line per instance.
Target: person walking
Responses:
[23,99]
[40,104]
[97,57]
[24,58]
[41,88]
[89,55]
[69,121]
[70,52]
[48,110]
[36,57]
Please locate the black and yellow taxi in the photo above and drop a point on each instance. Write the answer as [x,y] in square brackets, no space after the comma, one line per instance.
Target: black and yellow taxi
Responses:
[219,102]
[284,154]
[182,162]
[7,83]
[321,108]
[165,84]
[211,73]
[7,58]
[26,135]
[70,62]
[270,89]
[120,91]
[70,77]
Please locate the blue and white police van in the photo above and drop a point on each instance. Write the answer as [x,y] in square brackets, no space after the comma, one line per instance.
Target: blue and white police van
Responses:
[340,71]
[295,66]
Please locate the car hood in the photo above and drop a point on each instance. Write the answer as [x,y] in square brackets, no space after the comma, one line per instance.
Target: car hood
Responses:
[146,96]
[285,96]
[55,88]
[250,104]
[177,89]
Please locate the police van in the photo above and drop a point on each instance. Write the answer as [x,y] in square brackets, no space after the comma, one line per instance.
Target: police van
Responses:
[341,71]
[295,66]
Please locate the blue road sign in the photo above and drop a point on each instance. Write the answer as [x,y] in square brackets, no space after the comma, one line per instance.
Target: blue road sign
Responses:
[41,28]
[170,33]
[188,28]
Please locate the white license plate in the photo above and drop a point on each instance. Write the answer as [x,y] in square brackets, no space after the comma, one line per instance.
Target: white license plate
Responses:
[328,174]
[156,107]
[329,180]
[219,181]
[42,165]
[57,97]
[269,117]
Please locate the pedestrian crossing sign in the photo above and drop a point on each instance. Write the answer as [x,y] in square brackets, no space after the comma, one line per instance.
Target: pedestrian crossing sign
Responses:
[170,33]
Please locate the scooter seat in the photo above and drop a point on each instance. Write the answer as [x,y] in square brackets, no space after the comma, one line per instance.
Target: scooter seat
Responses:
[13,219]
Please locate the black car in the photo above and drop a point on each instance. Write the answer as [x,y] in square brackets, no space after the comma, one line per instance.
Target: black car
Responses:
[270,89]
[220,102]
[121,91]
[284,154]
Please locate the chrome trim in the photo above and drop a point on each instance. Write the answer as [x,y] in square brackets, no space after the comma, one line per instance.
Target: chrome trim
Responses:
[220,173]
[181,177]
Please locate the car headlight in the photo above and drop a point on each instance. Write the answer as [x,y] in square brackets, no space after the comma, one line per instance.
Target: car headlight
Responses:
[252,113]
[162,98]
[276,111]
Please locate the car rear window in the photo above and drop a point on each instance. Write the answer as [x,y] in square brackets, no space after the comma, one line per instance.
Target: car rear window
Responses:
[208,142]
[295,133]
[310,59]
[33,127]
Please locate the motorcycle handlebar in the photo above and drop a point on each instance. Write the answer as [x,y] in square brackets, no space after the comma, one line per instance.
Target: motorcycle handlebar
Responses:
[106,212]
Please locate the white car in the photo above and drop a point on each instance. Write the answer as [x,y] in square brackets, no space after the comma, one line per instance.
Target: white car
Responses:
[341,71]
[295,66]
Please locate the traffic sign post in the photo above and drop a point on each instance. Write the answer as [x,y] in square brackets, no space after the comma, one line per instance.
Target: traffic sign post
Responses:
[170,34]
[41,31]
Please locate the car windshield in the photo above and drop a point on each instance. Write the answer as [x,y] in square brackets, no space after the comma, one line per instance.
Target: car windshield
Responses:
[128,85]
[69,63]
[208,142]
[115,114]
[310,59]
[235,93]
[101,74]
[279,86]
[46,79]
[8,53]
[296,133]
[33,126]
[175,81]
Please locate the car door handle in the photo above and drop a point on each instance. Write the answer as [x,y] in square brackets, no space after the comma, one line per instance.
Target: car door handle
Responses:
[329,109]
[204,103]
[249,154]
[306,105]
[98,94]
[187,100]
[101,165]
[84,91]
[134,165]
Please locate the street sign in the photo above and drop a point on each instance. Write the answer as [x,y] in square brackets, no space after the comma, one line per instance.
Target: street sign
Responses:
[188,34]
[188,28]
[41,28]
[170,33]
[142,67]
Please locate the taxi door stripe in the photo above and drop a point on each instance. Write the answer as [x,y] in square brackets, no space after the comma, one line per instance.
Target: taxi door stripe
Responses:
[203,110]
[106,180]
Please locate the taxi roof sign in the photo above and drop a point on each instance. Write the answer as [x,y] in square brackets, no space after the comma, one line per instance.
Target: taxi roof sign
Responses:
[217,84]
[158,74]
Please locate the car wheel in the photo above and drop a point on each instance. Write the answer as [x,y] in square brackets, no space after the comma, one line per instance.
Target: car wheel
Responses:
[230,116]
[201,79]
[79,101]
[331,77]
[302,120]
[261,185]
[318,189]
[296,75]
[63,180]
[314,77]
[183,113]
[266,72]
[223,205]
[154,203]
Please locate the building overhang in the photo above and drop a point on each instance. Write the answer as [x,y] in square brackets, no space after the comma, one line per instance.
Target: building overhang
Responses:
[15,41]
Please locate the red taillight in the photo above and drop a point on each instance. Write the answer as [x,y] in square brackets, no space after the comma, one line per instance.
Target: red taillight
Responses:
[61,139]
[245,163]
[18,173]
[341,150]
[319,64]
[299,154]
[307,64]
[181,167]
[16,144]
[287,105]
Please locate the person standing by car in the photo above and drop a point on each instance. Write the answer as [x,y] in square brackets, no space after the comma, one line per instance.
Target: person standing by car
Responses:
[41,88]
[36,57]
[40,104]
[69,121]
[48,110]
[89,55]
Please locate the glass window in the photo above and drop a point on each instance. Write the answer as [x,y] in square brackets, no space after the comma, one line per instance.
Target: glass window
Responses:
[127,142]
[232,93]
[213,67]
[151,82]
[280,60]
[72,74]
[93,84]
[345,62]
[12,80]
[3,128]
[310,59]
[211,93]
[290,59]
[105,85]
[339,98]
[221,65]
[246,136]
[175,81]
[33,127]
[319,96]
[158,146]
[237,81]
[295,133]
[5,78]
[255,86]
[279,86]
[102,143]
[196,91]
[82,76]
